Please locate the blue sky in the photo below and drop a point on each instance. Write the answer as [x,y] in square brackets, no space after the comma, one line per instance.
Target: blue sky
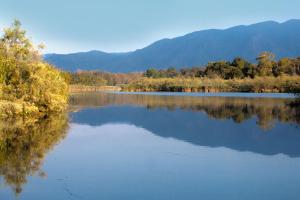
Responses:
[124,25]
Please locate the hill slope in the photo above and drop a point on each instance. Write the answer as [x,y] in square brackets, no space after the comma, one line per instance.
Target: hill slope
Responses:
[193,49]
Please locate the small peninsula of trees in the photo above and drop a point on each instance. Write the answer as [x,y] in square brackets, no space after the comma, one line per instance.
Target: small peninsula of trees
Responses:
[28,85]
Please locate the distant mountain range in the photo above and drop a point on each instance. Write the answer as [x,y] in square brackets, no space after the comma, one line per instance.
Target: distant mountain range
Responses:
[194,49]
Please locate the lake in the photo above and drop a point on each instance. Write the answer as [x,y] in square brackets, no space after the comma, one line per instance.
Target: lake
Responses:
[156,146]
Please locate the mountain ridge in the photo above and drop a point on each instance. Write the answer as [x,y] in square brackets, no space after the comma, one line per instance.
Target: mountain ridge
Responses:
[193,49]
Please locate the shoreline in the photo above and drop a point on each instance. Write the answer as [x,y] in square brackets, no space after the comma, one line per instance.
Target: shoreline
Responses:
[283,84]
[85,88]
[216,94]
[209,87]
[198,94]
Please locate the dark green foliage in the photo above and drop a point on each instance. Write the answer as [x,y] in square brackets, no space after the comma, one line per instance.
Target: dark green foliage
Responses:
[239,68]
[152,73]
[192,72]
[168,73]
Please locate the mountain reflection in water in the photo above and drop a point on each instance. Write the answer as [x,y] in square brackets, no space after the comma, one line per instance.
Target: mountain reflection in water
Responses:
[239,109]
[261,125]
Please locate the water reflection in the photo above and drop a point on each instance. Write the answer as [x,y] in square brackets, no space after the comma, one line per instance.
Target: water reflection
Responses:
[23,146]
[265,126]
[266,110]
[155,147]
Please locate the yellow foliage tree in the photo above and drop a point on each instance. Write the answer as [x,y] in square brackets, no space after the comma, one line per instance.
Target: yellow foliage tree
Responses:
[28,85]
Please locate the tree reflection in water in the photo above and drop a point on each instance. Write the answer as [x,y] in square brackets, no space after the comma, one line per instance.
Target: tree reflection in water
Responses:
[23,146]
[239,109]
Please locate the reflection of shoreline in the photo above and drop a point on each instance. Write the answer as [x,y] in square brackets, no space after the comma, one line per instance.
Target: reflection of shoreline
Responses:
[204,121]
[24,145]
[198,129]
[238,109]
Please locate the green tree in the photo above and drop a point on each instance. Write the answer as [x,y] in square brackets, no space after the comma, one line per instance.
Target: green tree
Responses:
[171,72]
[286,66]
[192,72]
[246,68]
[152,73]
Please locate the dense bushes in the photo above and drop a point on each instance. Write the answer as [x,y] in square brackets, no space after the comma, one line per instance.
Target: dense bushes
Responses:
[28,86]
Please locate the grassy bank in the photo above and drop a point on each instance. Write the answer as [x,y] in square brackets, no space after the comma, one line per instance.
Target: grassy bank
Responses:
[86,88]
[259,84]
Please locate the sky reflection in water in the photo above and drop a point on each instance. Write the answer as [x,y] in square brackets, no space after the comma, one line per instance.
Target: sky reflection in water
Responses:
[121,146]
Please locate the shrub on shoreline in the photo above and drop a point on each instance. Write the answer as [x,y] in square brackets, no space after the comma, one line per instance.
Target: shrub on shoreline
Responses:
[28,86]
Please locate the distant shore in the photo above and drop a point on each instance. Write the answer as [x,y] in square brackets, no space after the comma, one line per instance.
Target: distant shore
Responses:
[197,85]
[85,88]
[284,84]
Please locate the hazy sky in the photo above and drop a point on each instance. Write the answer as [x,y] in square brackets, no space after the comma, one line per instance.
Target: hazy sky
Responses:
[124,25]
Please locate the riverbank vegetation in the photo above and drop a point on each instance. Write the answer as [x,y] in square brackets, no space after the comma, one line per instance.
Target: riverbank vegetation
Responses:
[239,68]
[260,84]
[28,85]
[238,75]
[99,78]
[94,81]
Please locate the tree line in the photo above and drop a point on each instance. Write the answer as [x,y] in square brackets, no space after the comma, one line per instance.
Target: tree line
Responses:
[239,68]
[100,78]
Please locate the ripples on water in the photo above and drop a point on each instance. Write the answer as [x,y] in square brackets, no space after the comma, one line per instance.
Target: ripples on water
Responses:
[136,146]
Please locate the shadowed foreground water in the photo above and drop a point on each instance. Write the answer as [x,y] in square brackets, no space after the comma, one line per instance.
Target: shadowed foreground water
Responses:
[135,146]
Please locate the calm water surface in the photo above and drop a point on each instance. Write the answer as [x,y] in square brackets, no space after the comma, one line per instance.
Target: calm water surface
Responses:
[155,146]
